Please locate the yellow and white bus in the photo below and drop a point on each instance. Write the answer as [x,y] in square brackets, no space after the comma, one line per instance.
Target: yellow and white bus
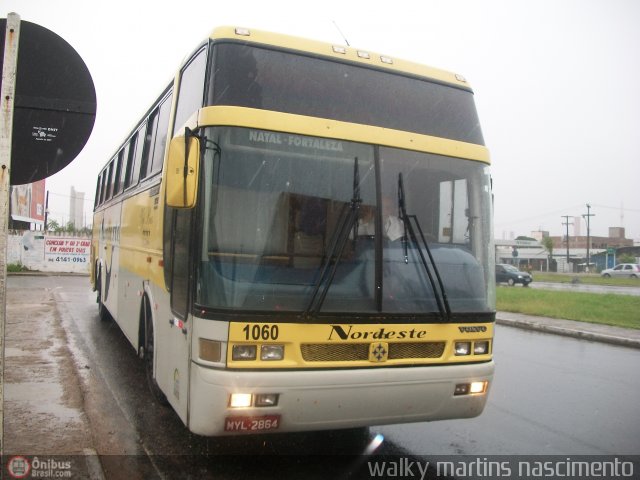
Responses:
[298,236]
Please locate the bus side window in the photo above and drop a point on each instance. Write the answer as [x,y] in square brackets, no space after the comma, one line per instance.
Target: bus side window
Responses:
[122,160]
[191,91]
[136,147]
[102,185]
[148,144]
[161,134]
[96,200]
[109,183]
[177,242]
[116,179]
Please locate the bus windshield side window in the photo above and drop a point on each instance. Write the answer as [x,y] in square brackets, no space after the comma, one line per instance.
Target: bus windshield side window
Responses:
[191,89]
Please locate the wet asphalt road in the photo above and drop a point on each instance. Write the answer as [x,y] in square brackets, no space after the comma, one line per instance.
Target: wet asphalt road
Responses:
[551,395]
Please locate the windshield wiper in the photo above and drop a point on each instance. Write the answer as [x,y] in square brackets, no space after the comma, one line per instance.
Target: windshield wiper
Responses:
[348,220]
[440,293]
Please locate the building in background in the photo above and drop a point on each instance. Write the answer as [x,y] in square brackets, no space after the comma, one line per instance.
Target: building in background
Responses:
[76,209]
[616,239]
[530,253]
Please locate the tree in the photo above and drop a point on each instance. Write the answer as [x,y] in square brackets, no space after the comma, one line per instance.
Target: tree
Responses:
[547,243]
[626,258]
[523,237]
[53,225]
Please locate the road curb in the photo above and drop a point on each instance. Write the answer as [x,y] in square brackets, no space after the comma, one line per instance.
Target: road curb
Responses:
[37,273]
[570,332]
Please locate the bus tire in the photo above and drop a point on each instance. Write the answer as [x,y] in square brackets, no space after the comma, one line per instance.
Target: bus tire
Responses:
[147,352]
[103,313]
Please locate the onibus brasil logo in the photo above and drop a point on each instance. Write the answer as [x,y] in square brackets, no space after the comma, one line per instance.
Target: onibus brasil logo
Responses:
[18,467]
[21,467]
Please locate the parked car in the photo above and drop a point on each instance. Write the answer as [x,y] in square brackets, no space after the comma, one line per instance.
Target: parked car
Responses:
[622,270]
[511,275]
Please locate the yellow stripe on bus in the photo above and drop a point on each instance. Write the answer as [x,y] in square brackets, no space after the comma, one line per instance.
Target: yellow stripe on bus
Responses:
[287,122]
[357,345]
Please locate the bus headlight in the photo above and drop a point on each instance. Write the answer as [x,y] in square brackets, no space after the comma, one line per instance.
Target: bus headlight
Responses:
[266,399]
[481,348]
[463,348]
[244,352]
[272,352]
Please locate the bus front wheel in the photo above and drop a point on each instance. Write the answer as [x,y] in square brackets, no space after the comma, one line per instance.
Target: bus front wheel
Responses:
[103,313]
[147,353]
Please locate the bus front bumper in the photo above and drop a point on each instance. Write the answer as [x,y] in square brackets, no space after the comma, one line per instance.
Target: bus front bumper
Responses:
[310,400]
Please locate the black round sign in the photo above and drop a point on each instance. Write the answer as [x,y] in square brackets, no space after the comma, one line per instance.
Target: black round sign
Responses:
[55,104]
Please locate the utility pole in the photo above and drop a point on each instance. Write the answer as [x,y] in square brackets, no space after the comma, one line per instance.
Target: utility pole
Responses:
[9,70]
[587,217]
[46,211]
[566,224]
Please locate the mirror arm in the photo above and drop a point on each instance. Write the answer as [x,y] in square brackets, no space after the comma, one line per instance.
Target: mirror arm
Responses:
[188,135]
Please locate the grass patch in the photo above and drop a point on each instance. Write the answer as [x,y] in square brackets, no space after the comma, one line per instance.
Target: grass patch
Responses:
[607,309]
[587,279]
[16,267]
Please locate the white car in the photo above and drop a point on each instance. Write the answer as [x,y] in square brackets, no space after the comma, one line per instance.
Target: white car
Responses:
[622,270]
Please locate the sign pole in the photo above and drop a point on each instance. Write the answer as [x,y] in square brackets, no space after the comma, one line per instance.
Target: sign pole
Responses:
[9,68]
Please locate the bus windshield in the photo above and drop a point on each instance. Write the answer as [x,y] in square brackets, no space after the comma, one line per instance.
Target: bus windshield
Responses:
[273,205]
[254,77]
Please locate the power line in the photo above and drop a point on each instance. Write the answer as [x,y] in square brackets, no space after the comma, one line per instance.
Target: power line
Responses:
[87,200]
[546,214]
[617,208]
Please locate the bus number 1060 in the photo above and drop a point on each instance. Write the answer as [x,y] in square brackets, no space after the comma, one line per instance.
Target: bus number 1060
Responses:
[260,332]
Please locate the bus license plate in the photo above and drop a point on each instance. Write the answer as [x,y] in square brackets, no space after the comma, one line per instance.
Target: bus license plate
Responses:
[252,424]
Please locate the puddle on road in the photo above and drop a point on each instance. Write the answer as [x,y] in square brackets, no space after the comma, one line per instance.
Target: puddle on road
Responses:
[42,398]
[43,402]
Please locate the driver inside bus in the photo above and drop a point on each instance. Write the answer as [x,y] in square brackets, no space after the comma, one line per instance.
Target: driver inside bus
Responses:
[392,226]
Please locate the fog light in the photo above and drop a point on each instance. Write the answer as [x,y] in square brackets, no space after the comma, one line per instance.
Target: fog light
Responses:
[266,399]
[240,400]
[481,348]
[244,352]
[210,350]
[463,348]
[272,352]
[478,387]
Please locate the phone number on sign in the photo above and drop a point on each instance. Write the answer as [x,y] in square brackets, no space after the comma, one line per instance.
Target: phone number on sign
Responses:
[70,259]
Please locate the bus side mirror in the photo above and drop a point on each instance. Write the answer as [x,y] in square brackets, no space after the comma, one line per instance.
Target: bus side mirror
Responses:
[182,172]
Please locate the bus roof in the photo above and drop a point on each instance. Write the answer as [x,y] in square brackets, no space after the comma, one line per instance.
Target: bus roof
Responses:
[340,52]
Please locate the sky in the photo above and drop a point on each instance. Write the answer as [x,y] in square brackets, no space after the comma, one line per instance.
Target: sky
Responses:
[555,82]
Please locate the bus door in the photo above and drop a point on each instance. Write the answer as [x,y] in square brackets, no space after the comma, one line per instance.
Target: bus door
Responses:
[175,335]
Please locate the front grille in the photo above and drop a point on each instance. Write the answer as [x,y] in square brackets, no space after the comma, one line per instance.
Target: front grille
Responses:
[353,352]
[415,350]
[346,352]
